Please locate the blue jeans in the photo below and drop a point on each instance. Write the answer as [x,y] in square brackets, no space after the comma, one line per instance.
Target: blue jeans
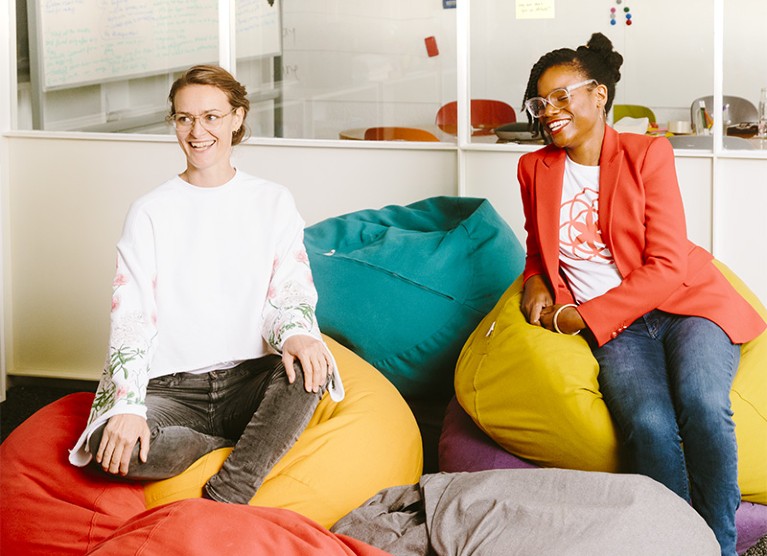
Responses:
[666,381]
[252,407]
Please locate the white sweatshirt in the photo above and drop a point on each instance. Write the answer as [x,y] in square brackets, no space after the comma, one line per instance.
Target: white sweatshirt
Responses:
[206,278]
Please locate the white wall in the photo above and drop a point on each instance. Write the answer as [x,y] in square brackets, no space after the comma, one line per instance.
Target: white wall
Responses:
[494,175]
[328,181]
[740,232]
[7,76]
[68,198]
[745,62]
[726,219]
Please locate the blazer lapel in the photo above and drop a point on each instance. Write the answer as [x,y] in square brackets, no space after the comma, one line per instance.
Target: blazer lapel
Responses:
[610,165]
[548,196]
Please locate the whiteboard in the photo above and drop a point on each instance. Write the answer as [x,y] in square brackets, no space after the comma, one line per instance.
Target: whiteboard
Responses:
[259,28]
[82,42]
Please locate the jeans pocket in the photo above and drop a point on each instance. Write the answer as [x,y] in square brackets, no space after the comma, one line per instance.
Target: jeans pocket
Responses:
[164,382]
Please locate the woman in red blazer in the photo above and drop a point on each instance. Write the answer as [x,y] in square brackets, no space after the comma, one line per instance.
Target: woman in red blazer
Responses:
[608,254]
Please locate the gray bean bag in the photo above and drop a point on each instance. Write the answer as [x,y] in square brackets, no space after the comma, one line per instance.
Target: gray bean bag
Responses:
[510,512]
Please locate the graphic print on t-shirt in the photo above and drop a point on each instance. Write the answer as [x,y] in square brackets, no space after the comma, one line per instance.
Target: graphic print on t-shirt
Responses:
[579,232]
[586,262]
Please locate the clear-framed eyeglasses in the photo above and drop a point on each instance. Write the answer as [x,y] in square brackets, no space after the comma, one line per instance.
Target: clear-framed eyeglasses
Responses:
[558,98]
[209,120]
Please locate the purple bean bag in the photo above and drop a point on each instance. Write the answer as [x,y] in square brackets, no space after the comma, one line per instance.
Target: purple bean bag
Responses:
[464,447]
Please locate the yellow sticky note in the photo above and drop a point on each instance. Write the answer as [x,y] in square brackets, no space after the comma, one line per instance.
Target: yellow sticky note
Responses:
[535,9]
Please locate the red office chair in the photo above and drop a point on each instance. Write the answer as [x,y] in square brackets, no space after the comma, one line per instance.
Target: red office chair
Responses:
[398,134]
[486,115]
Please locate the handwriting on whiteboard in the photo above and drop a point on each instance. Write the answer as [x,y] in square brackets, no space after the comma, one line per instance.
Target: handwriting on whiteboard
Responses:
[91,41]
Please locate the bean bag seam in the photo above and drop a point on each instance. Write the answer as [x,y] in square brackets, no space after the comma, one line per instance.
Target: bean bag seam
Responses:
[749,404]
[92,522]
[172,510]
[388,272]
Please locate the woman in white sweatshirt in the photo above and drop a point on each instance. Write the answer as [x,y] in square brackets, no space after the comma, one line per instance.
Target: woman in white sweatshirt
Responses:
[214,340]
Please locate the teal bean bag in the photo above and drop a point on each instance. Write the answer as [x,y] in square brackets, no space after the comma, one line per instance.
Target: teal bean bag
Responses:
[404,286]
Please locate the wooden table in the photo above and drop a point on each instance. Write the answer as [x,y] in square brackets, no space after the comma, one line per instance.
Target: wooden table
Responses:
[358,134]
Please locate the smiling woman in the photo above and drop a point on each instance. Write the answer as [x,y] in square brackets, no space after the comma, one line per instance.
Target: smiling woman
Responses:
[569,94]
[208,110]
[192,365]
[608,257]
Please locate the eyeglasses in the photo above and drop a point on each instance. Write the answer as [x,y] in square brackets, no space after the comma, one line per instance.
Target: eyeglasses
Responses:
[558,98]
[208,120]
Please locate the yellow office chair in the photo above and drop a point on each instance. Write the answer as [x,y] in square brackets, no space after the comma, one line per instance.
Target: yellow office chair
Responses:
[633,111]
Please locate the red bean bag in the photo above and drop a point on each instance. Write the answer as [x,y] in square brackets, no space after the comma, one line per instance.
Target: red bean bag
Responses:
[197,527]
[48,506]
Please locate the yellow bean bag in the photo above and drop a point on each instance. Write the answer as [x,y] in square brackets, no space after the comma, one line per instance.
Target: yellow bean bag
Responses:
[536,394]
[349,451]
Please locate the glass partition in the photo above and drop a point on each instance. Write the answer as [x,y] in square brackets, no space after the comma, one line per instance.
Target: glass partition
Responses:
[314,69]
[330,69]
[258,47]
[107,66]
[348,66]
[668,53]
[744,74]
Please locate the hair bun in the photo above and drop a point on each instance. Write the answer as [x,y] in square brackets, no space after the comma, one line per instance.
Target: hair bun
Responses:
[603,47]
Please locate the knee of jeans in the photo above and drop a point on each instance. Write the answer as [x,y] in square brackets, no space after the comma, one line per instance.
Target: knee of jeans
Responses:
[708,407]
[652,427]
[298,383]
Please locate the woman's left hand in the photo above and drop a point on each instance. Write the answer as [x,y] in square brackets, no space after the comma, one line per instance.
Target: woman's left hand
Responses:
[569,320]
[314,358]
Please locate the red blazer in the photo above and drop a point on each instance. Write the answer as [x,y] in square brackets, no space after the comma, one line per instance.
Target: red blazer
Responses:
[641,217]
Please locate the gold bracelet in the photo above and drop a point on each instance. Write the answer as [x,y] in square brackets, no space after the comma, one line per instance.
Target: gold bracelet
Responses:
[556,315]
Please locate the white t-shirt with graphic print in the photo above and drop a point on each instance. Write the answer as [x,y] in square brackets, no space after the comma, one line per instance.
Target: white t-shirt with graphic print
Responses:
[586,261]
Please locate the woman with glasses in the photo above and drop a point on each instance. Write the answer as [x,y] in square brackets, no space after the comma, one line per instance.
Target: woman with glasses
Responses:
[608,257]
[214,341]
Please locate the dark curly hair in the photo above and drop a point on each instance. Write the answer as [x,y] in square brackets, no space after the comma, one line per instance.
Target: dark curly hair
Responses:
[596,60]
[221,79]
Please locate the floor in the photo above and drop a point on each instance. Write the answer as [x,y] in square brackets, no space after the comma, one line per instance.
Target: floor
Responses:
[26,395]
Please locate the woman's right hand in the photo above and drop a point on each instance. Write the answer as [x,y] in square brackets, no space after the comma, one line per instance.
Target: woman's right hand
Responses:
[120,436]
[535,296]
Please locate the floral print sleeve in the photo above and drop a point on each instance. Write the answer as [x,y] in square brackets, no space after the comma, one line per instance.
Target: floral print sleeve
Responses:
[133,331]
[291,301]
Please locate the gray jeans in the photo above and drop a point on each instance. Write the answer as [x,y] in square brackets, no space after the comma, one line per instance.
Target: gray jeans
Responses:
[252,407]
